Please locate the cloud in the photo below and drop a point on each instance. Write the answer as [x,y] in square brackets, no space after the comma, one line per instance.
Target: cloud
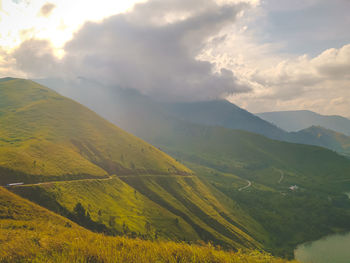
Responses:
[197,50]
[304,74]
[279,78]
[334,63]
[152,48]
[320,84]
[47,9]
[8,65]
[35,58]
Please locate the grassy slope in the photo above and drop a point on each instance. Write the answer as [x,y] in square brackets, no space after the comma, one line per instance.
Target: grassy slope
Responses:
[30,233]
[43,134]
[175,207]
[252,156]
[290,218]
[112,198]
[189,198]
[330,139]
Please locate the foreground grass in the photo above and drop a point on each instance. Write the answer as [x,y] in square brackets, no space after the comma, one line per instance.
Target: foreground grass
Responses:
[73,246]
[30,233]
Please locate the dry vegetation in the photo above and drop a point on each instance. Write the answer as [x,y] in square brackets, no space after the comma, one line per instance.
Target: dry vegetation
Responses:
[30,233]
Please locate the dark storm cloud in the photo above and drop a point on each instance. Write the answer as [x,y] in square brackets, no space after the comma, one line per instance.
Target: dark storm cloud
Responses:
[153,49]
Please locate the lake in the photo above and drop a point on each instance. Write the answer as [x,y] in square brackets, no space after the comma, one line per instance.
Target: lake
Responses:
[331,249]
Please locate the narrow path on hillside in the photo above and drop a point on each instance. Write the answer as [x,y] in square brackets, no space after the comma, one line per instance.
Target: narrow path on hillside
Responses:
[155,175]
[247,186]
[78,180]
[98,179]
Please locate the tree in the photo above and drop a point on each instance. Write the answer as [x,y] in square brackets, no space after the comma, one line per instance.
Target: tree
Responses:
[80,211]
[88,216]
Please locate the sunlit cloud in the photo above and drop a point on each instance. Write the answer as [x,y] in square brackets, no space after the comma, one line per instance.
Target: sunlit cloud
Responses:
[57,20]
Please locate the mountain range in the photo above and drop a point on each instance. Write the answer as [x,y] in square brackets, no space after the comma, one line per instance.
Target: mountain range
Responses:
[299,120]
[246,167]
[225,114]
[111,102]
[195,174]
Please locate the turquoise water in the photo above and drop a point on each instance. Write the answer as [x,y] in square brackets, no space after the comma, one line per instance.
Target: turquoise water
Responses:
[331,249]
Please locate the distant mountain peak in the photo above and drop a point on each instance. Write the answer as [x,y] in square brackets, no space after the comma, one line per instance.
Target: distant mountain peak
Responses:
[299,120]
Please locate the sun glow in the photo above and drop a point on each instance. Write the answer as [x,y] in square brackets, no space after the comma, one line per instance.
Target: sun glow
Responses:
[23,19]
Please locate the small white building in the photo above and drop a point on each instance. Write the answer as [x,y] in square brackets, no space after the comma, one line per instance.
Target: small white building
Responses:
[293,187]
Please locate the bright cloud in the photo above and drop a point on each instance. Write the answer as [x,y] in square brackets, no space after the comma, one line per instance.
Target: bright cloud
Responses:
[56,20]
[280,75]
[321,83]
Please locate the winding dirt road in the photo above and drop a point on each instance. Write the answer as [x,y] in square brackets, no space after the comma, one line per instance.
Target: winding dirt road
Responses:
[247,186]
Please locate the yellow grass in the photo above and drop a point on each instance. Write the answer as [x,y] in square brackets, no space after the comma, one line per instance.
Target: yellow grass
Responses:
[30,233]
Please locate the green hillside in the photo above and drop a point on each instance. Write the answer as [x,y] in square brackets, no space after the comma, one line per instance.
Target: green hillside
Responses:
[240,199]
[251,156]
[112,203]
[50,137]
[224,114]
[330,139]
[152,206]
[257,172]
[30,233]
[126,185]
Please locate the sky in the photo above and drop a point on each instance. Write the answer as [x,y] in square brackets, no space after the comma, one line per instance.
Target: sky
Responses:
[263,55]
